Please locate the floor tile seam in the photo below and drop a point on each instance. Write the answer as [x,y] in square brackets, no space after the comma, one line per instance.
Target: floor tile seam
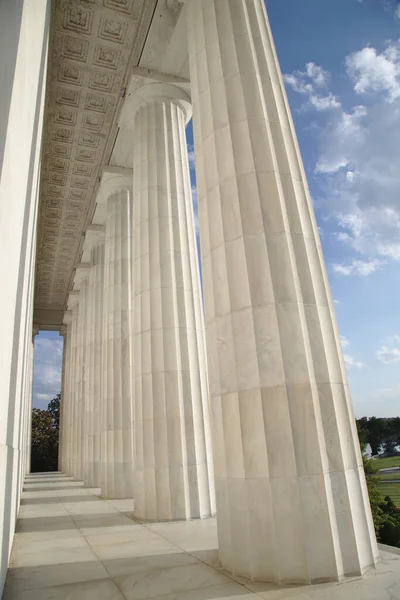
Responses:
[185,591]
[71,514]
[194,556]
[129,528]
[55,585]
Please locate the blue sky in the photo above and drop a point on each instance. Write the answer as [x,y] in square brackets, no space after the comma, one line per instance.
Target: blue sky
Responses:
[341,62]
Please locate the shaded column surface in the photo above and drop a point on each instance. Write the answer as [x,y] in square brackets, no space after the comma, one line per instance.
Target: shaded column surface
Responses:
[292,502]
[172,447]
[71,443]
[81,282]
[94,243]
[66,399]
[116,399]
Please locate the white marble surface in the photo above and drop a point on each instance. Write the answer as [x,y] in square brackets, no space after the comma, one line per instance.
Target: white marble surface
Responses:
[81,283]
[173,469]
[24,33]
[291,496]
[95,246]
[62,551]
[116,395]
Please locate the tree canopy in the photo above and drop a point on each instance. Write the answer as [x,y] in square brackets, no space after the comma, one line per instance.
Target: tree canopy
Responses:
[382,434]
[45,436]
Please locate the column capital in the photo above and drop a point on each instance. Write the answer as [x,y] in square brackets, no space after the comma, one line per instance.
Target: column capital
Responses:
[73,299]
[113,180]
[143,93]
[67,319]
[94,236]
[81,273]
[63,330]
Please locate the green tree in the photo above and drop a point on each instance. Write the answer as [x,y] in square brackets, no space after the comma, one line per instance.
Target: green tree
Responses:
[45,434]
[376,433]
[385,514]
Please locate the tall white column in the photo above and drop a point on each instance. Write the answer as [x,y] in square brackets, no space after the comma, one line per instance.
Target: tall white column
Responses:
[66,396]
[292,502]
[116,398]
[94,243]
[82,283]
[30,359]
[173,472]
[63,333]
[71,442]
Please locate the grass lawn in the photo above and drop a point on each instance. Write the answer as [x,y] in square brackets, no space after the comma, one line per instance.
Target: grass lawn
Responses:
[392,490]
[392,476]
[385,463]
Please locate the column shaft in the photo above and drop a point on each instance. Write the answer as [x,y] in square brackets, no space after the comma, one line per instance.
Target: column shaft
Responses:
[173,477]
[116,435]
[96,286]
[63,402]
[66,403]
[72,428]
[87,397]
[291,497]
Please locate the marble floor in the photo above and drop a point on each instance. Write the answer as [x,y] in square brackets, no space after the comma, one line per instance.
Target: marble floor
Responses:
[72,545]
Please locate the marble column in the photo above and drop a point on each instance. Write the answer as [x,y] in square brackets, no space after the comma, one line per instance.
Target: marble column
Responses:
[66,397]
[71,441]
[292,503]
[173,471]
[81,282]
[116,398]
[94,244]
[35,331]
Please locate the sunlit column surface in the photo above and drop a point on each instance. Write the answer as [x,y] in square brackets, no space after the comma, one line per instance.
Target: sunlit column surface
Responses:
[70,442]
[65,406]
[172,448]
[292,503]
[82,283]
[94,244]
[116,398]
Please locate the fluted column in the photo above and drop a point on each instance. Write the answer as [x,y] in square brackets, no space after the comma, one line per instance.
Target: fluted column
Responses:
[116,398]
[71,445]
[94,245]
[35,331]
[292,503]
[65,393]
[82,283]
[172,440]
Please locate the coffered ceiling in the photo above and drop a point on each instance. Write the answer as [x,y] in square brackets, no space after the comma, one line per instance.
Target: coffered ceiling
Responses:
[94,45]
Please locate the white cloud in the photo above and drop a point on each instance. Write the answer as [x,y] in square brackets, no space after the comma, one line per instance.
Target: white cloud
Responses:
[45,397]
[312,83]
[345,342]
[388,355]
[195,209]
[191,156]
[357,267]
[393,392]
[372,71]
[391,6]
[47,370]
[352,363]
[358,164]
